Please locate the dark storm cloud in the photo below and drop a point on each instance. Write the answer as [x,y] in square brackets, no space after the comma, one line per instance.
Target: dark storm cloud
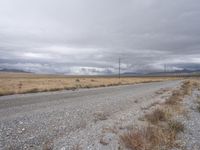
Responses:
[88,37]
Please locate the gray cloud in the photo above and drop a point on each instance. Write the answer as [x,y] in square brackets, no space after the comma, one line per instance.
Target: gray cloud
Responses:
[88,37]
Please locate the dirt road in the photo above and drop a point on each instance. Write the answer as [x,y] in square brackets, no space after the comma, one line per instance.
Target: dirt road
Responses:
[74,119]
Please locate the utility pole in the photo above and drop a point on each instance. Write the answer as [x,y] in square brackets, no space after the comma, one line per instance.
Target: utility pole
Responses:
[119,67]
[165,68]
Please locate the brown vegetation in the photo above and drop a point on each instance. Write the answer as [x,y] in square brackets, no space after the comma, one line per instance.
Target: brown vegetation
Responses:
[149,138]
[198,105]
[178,95]
[98,116]
[198,108]
[175,126]
[14,83]
[156,116]
[198,99]
[161,132]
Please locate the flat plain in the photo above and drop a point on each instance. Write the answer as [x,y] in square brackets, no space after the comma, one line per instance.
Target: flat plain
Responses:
[154,115]
[16,83]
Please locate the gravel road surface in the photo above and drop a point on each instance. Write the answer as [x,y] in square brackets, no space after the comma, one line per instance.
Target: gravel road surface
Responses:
[190,138]
[81,119]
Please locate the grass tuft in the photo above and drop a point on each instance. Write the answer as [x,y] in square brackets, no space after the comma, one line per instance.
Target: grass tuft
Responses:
[156,116]
[176,126]
[133,140]
[178,95]
[99,116]
[174,98]
[149,138]
[198,106]
[34,90]
[77,80]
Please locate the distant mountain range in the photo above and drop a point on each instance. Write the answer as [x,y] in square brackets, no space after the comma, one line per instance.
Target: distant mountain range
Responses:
[175,72]
[13,70]
[187,71]
[184,71]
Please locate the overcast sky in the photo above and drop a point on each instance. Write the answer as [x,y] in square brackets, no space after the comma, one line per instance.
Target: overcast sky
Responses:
[88,36]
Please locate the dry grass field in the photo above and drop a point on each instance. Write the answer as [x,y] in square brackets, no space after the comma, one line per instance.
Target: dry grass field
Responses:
[15,83]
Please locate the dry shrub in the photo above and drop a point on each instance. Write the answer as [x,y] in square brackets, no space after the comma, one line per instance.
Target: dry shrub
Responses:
[161,91]
[99,116]
[134,140]
[186,88]
[156,116]
[77,80]
[153,104]
[178,95]
[198,106]
[195,84]
[149,138]
[174,98]
[34,90]
[175,126]
[55,89]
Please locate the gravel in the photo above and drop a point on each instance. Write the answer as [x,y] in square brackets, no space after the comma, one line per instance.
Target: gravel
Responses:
[191,136]
[83,119]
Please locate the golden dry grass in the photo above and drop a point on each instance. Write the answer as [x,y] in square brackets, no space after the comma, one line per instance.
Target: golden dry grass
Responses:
[178,95]
[156,116]
[149,138]
[13,83]
[175,126]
